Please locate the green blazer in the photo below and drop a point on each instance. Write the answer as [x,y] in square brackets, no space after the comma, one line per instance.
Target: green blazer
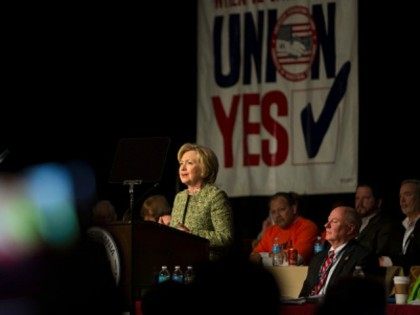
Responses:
[207,214]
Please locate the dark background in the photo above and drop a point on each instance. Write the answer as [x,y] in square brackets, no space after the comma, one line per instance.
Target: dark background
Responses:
[76,79]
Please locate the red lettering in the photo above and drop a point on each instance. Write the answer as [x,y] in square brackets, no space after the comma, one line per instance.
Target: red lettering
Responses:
[249,128]
[278,99]
[226,121]
[226,124]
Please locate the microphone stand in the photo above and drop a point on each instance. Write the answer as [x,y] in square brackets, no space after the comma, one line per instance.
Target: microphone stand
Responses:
[131,184]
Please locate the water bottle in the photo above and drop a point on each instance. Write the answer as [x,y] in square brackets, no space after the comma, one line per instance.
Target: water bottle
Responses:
[164,274]
[177,275]
[189,275]
[276,251]
[358,272]
[318,245]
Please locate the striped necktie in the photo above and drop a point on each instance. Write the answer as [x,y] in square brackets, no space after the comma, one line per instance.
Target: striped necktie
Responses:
[323,273]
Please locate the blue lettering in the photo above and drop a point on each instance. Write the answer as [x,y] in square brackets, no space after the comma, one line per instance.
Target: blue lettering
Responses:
[253,46]
[234,53]
[326,40]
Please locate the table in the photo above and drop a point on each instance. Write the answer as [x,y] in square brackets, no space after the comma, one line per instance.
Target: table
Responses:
[289,279]
[310,308]
[404,309]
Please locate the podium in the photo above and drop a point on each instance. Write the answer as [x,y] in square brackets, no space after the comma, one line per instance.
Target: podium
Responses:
[145,246]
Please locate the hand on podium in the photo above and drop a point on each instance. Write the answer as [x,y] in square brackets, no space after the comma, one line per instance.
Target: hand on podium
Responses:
[182,227]
[165,219]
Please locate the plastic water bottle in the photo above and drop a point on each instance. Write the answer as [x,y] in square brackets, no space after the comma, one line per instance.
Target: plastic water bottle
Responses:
[276,251]
[358,272]
[318,246]
[177,275]
[164,274]
[189,275]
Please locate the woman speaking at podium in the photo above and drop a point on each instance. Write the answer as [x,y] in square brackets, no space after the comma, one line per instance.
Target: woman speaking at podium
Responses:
[202,209]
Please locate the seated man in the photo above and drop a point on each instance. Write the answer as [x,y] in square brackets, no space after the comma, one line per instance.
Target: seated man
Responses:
[288,228]
[378,232]
[343,256]
[409,254]
[353,295]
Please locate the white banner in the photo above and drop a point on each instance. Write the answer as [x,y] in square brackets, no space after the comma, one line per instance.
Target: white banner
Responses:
[278,94]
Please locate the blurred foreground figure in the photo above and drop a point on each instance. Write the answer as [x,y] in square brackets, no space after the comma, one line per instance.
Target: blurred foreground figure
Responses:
[352,295]
[228,286]
[79,280]
[47,266]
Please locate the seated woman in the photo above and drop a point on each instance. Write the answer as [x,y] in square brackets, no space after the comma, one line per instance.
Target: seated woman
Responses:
[156,208]
[103,213]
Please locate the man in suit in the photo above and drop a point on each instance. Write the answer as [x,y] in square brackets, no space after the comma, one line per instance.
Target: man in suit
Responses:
[410,246]
[341,230]
[378,232]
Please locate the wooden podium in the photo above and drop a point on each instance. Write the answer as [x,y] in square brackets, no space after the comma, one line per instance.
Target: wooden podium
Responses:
[145,246]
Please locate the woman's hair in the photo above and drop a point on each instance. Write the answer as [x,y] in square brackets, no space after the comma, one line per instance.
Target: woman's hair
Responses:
[206,158]
[155,206]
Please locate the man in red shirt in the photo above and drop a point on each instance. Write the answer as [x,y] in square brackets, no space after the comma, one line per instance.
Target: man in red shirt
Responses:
[289,228]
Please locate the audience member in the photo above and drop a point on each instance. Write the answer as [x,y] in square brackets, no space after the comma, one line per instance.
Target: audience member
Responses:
[269,221]
[378,232]
[354,295]
[336,203]
[103,213]
[343,256]
[289,228]
[202,209]
[156,208]
[410,246]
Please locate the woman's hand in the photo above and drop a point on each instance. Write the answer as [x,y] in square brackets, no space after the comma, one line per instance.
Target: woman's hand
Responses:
[182,227]
[165,219]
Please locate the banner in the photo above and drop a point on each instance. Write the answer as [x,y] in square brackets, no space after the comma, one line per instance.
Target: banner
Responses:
[278,94]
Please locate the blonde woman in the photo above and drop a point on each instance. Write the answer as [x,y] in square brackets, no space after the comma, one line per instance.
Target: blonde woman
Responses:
[202,208]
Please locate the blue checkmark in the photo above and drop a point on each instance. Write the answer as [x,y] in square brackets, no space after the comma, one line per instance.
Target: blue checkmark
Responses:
[314,132]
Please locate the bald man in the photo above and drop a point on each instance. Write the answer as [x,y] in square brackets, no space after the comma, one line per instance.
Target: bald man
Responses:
[341,230]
